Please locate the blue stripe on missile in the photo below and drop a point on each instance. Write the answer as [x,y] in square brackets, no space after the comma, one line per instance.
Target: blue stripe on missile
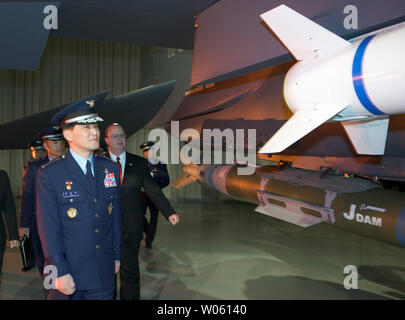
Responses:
[400,227]
[358,81]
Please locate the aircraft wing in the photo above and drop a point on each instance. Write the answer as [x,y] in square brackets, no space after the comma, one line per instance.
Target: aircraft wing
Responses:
[18,133]
[23,36]
[132,110]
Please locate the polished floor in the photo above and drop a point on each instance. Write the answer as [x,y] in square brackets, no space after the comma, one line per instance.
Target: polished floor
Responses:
[225,250]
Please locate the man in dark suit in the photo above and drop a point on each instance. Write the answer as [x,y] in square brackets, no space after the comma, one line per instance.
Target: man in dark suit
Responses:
[158,171]
[55,145]
[79,210]
[135,175]
[8,207]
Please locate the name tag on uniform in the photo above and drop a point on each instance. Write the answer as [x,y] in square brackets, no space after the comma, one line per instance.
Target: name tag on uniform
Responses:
[71,194]
[109,180]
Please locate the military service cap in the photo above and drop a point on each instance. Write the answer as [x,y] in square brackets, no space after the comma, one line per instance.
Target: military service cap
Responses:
[51,133]
[79,112]
[36,145]
[146,146]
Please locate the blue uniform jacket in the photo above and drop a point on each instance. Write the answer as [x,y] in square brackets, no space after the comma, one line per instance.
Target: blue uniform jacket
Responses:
[159,174]
[28,198]
[80,229]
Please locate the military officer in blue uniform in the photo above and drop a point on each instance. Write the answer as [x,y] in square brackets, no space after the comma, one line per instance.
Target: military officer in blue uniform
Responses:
[53,142]
[37,149]
[78,210]
[37,152]
[158,171]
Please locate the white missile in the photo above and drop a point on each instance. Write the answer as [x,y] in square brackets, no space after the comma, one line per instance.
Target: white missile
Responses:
[359,83]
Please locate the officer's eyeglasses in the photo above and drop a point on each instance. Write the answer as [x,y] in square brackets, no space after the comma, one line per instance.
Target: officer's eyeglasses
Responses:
[118,136]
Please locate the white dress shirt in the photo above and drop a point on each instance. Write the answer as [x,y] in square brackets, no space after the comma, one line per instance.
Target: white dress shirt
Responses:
[83,161]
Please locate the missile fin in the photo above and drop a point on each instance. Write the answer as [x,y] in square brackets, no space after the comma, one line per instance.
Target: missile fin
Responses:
[299,219]
[368,137]
[302,37]
[299,125]
[183,180]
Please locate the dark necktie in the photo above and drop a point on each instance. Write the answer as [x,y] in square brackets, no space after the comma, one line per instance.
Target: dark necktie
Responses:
[119,164]
[89,174]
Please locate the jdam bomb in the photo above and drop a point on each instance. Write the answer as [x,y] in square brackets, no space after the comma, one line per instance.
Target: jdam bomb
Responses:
[305,198]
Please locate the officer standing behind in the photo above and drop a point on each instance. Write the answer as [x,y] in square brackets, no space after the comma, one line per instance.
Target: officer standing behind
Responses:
[78,210]
[8,207]
[159,174]
[37,150]
[55,145]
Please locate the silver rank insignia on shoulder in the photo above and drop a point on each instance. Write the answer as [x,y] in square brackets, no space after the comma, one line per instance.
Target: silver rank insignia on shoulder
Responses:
[72,213]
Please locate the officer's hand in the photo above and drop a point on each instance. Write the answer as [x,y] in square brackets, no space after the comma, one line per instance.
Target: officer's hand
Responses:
[65,285]
[174,219]
[117,265]
[14,244]
[24,231]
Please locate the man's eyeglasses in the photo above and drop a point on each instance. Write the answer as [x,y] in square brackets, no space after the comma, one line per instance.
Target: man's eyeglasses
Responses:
[118,136]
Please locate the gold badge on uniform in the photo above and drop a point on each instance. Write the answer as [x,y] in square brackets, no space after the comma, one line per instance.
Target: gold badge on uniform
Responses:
[110,208]
[72,213]
[69,185]
[90,103]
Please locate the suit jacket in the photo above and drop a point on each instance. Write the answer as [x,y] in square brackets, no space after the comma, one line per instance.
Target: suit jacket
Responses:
[80,226]
[28,201]
[7,206]
[137,176]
